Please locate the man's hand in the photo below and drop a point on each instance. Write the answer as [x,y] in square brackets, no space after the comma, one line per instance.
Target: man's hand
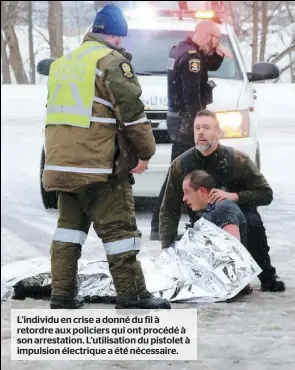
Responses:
[141,167]
[216,195]
[223,51]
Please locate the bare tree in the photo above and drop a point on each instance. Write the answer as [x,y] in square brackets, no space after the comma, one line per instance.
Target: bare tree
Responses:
[291,13]
[255,17]
[292,60]
[264,23]
[31,44]
[9,10]
[5,62]
[78,19]
[55,28]
[231,7]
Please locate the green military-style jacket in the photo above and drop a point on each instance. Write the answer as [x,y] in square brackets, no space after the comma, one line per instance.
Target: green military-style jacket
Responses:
[119,134]
[246,180]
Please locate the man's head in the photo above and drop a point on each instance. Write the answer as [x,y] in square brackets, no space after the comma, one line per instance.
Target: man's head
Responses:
[111,24]
[207,36]
[196,188]
[206,132]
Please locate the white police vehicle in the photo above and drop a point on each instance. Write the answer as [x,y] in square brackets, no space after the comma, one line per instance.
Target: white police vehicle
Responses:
[149,39]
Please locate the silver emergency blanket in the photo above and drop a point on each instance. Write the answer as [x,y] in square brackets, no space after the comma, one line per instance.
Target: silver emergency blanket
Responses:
[206,265]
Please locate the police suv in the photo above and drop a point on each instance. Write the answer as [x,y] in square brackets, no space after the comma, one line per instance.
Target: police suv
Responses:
[151,35]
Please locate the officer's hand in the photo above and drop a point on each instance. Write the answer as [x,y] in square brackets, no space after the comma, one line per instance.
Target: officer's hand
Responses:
[216,195]
[141,166]
[223,51]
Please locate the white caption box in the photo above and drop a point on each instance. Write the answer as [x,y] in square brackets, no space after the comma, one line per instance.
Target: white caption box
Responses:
[104,335]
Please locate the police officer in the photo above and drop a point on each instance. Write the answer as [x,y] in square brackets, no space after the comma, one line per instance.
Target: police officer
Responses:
[237,179]
[189,90]
[95,125]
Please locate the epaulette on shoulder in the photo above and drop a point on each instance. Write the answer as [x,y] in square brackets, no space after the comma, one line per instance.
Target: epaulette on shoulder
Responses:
[192,51]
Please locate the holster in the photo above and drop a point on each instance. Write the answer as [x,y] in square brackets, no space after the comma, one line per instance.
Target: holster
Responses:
[207,93]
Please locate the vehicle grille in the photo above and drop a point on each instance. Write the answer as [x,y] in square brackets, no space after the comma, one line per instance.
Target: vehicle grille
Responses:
[158,121]
[156,115]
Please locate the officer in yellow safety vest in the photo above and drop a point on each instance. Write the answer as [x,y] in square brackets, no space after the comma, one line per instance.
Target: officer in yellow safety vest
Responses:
[97,135]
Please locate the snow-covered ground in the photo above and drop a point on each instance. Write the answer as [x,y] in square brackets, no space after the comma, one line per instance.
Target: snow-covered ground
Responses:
[255,333]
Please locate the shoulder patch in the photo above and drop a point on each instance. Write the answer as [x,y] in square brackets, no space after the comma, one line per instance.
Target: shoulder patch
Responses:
[195,65]
[127,70]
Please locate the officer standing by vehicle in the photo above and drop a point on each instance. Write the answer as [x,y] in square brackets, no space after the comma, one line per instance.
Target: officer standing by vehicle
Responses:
[95,124]
[189,91]
[237,179]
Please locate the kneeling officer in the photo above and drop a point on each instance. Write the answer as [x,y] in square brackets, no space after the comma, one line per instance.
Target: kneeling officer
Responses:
[237,179]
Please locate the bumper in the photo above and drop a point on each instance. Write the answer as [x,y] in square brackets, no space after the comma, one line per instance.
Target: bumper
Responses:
[150,182]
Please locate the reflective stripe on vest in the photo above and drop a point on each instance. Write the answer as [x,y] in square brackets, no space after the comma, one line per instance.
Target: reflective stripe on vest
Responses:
[71,87]
[96,171]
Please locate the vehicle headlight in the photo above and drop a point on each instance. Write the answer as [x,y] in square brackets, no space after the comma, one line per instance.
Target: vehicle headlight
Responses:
[234,124]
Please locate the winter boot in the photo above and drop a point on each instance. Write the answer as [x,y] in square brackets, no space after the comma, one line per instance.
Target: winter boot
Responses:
[273,286]
[146,301]
[129,283]
[58,302]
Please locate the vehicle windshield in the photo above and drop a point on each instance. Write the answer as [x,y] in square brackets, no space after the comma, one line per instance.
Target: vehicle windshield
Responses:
[150,49]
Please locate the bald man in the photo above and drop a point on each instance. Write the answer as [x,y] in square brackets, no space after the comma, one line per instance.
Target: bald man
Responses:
[189,91]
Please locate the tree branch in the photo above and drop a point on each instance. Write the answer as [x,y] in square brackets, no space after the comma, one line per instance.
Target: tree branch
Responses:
[41,34]
[274,10]
[292,19]
[283,54]
[290,65]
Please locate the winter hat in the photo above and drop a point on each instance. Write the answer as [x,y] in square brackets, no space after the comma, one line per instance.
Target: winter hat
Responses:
[110,21]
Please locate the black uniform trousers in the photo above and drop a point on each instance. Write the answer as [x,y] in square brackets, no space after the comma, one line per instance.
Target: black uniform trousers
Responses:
[257,245]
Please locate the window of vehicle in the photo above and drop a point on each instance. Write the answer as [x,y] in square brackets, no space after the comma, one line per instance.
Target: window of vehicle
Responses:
[245,62]
[150,49]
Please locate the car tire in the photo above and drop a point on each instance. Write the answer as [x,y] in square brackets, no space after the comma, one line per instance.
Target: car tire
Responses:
[49,198]
[257,157]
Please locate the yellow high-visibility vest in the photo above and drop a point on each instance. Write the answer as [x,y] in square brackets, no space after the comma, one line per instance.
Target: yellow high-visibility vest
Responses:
[71,87]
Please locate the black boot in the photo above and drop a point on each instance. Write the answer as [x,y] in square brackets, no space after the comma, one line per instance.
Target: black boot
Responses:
[146,301]
[58,302]
[273,285]
[245,291]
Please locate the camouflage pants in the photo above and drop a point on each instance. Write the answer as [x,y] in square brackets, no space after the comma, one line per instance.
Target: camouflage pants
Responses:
[110,207]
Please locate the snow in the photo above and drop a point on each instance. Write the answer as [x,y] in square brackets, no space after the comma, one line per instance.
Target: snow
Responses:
[275,103]
[255,333]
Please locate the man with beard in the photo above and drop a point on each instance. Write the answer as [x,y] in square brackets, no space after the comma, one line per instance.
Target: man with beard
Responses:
[237,179]
[189,90]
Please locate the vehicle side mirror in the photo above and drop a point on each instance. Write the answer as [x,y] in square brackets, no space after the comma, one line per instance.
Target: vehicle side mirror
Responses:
[263,71]
[43,67]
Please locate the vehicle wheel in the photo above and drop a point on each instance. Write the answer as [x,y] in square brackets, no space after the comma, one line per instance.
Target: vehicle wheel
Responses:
[257,157]
[49,198]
